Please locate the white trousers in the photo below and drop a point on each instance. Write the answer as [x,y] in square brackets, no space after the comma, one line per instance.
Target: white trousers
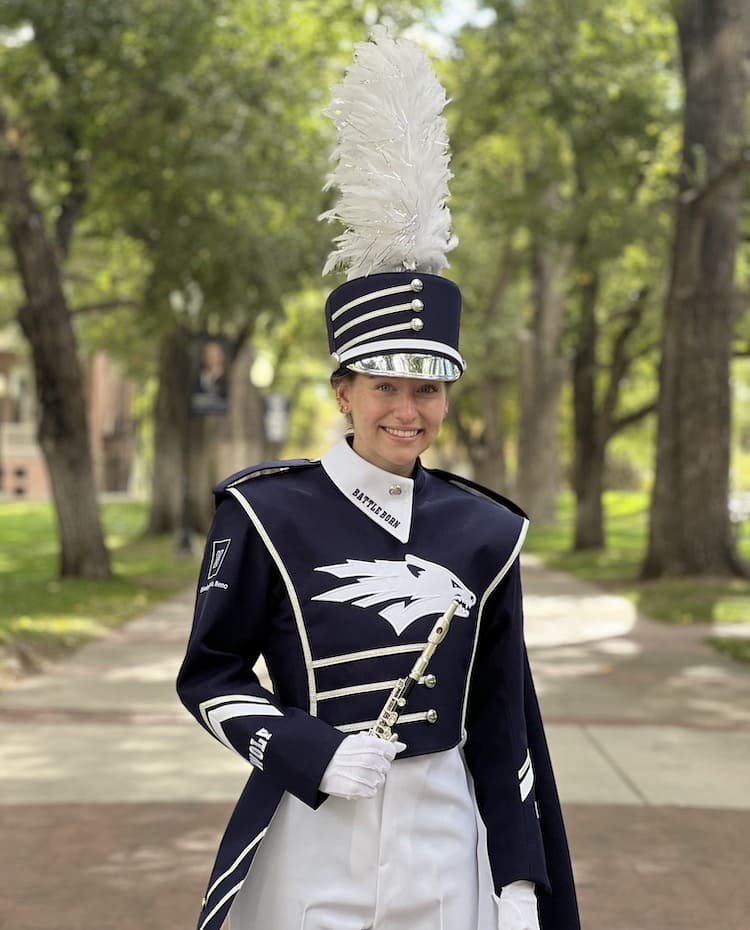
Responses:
[403,860]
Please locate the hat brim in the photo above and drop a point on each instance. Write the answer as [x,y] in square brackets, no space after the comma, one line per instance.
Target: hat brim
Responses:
[408,365]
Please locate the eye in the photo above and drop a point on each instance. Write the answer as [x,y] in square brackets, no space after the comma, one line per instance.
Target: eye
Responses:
[427,389]
[383,386]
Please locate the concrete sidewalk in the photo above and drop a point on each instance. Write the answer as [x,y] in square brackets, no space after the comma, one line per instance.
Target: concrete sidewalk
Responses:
[112,799]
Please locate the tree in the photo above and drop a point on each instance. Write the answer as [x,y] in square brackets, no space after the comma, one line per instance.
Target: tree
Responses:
[543,369]
[249,239]
[184,135]
[45,321]
[690,532]
[579,95]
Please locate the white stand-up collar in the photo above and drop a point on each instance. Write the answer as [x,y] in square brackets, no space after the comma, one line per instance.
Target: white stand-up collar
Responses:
[385,498]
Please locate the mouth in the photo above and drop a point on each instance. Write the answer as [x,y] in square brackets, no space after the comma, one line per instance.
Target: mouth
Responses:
[401,433]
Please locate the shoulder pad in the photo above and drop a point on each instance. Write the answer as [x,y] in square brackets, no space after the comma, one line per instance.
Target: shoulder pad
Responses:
[259,471]
[477,489]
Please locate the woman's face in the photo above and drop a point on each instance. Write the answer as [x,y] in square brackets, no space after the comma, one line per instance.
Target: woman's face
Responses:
[395,419]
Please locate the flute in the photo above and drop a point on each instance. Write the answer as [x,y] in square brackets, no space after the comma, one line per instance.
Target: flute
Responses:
[383,727]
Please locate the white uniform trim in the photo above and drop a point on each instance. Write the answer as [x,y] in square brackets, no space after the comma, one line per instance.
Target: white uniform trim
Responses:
[368,488]
[293,598]
[208,709]
[230,894]
[369,724]
[219,715]
[245,852]
[357,689]
[526,777]
[485,597]
[368,654]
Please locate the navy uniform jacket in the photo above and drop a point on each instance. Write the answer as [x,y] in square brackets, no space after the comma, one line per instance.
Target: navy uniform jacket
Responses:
[335,572]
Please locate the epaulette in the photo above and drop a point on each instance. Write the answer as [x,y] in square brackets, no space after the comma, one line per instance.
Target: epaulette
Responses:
[259,471]
[477,489]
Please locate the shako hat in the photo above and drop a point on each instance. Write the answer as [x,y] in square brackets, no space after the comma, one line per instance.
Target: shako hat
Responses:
[395,315]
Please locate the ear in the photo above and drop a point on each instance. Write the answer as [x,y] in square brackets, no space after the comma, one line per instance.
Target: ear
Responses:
[342,396]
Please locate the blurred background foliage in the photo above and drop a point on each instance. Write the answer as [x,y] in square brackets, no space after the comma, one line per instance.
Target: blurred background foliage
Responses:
[177,151]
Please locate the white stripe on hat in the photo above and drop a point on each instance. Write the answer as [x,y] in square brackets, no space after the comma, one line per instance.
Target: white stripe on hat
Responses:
[371,316]
[366,298]
[414,346]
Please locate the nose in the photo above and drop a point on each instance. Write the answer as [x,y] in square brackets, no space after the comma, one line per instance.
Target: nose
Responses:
[405,408]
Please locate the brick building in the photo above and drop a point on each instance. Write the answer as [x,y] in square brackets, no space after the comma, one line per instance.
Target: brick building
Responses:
[23,473]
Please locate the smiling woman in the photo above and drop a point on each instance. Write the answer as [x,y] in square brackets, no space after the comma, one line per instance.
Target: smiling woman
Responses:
[336,571]
[394,420]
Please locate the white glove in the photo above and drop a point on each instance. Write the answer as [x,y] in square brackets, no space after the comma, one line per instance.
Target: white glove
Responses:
[517,908]
[359,766]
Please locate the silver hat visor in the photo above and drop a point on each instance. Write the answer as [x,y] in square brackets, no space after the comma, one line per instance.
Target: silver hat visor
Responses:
[408,365]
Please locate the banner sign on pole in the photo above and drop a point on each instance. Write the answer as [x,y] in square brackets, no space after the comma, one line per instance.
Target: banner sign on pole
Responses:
[210,382]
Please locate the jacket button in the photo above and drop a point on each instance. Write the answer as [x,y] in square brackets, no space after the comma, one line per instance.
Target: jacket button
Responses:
[429,681]
[432,716]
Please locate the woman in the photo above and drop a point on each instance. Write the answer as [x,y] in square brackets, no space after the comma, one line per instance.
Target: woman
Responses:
[335,571]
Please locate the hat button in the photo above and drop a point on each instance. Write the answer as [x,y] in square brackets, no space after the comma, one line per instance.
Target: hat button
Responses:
[394,490]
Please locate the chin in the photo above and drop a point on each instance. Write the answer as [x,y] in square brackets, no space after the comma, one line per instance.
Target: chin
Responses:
[405,460]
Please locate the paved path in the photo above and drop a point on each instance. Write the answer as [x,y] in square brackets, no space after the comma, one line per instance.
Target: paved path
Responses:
[112,799]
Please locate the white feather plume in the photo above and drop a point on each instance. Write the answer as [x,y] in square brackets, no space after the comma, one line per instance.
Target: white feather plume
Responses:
[391,162]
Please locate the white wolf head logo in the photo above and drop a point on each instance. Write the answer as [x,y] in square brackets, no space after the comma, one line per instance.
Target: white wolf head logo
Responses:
[409,590]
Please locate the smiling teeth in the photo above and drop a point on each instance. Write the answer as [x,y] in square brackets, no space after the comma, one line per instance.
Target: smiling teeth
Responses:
[406,433]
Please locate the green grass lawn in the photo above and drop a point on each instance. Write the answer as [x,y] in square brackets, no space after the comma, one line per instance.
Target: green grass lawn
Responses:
[41,614]
[676,600]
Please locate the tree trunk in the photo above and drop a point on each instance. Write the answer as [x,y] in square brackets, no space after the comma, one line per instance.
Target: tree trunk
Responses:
[487,455]
[479,423]
[170,426]
[588,455]
[690,531]
[199,449]
[62,430]
[244,441]
[542,373]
